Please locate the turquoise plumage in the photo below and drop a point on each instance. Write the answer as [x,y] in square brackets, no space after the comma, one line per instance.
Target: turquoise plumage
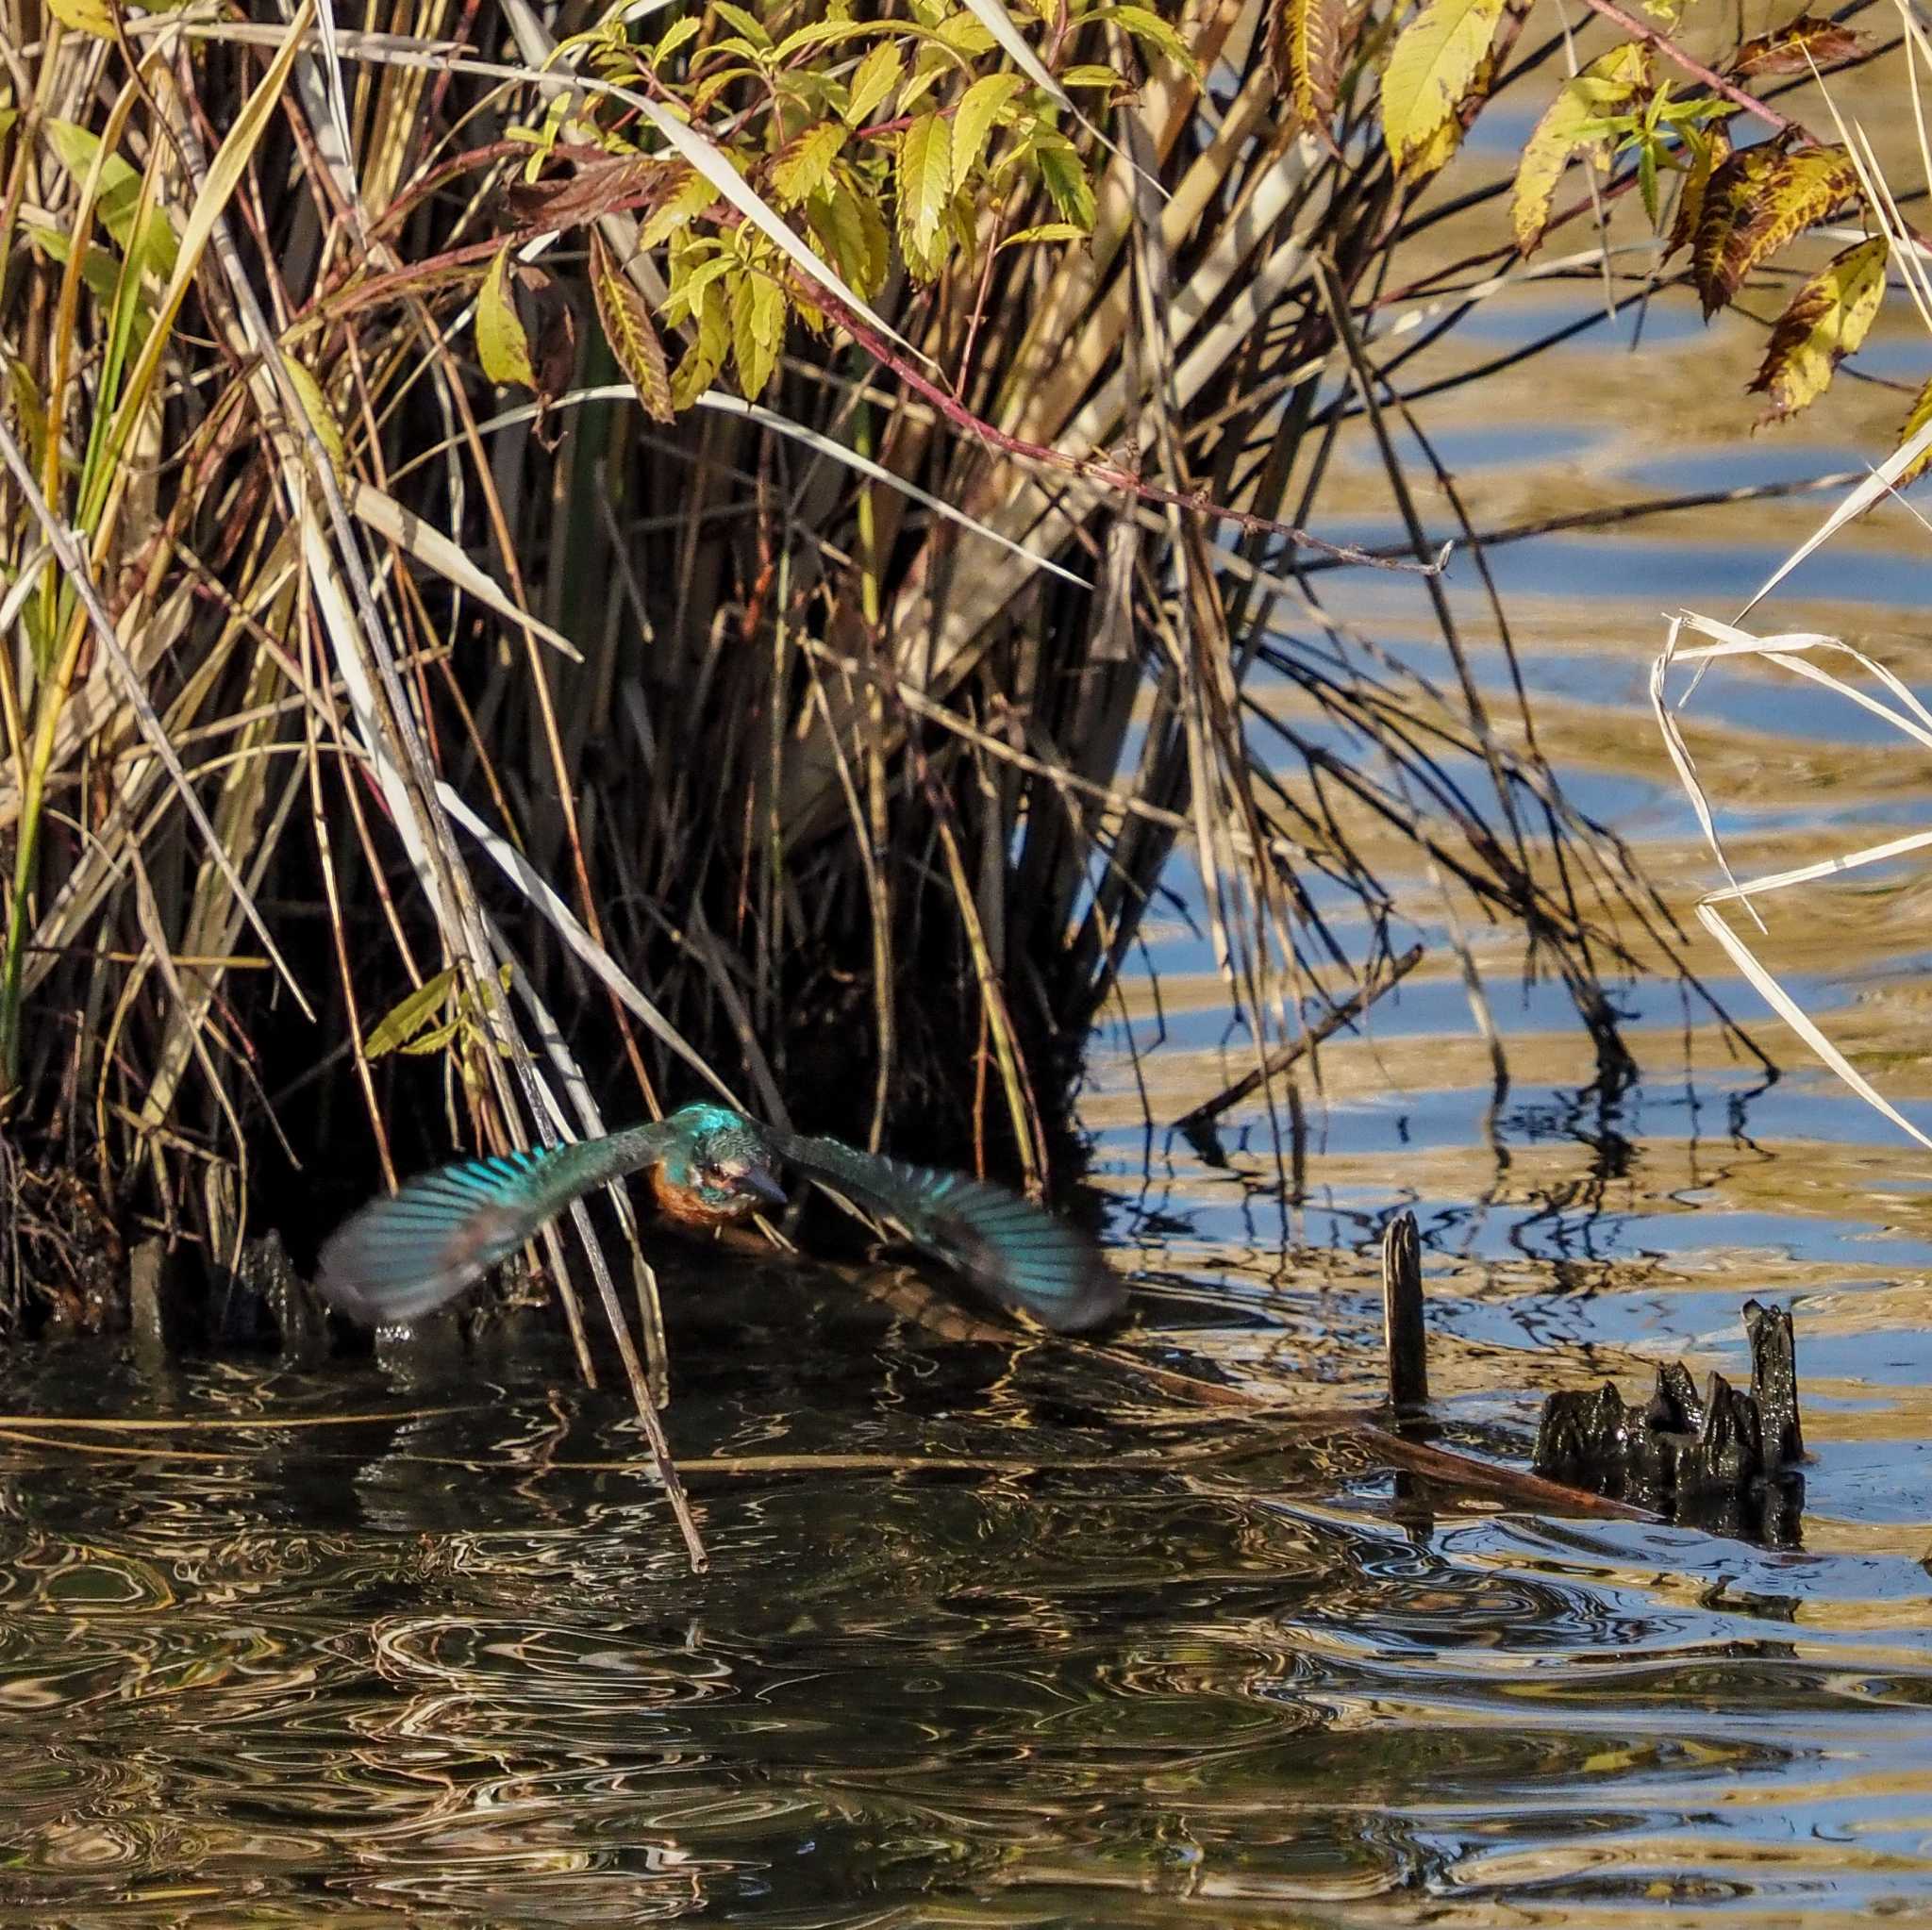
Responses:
[399,1258]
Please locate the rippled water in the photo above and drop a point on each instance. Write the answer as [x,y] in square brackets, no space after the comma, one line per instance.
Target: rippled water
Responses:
[991,1636]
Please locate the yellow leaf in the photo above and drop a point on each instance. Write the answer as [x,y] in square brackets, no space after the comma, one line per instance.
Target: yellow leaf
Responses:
[404,1020]
[1046,231]
[1921,414]
[84,17]
[878,244]
[802,169]
[926,180]
[973,123]
[629,331]
[1606,86]
[757,328]
[501,343]
[698,368]
[1430,72]
[964,34]
[688,200]
[1825,322]
[879,74]
[322,418]
[1063,175]
[1755,202]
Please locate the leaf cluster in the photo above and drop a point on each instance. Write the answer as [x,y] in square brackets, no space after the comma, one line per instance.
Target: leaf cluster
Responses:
[1631,119]
[899,142]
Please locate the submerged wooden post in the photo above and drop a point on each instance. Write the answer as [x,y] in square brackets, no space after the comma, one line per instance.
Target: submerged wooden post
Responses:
[1403,1334]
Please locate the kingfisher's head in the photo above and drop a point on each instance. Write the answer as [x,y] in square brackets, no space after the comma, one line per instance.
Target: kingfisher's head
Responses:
[720,1167]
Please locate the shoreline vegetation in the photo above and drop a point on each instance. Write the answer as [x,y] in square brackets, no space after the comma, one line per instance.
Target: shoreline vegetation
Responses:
[730,552]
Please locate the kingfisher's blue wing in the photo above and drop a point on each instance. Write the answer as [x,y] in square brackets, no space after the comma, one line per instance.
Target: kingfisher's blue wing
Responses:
[1015,1250]
[403,1256]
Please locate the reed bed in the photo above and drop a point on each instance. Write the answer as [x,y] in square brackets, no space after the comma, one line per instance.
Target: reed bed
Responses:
[400,756]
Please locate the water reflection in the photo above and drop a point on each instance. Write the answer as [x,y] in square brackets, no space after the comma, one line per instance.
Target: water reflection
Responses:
[450,1663]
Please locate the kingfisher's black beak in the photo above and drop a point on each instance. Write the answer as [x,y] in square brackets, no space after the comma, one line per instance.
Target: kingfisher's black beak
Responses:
[762,1185]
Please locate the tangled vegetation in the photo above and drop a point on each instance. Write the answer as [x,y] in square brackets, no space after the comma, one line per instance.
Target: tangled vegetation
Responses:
[727,550]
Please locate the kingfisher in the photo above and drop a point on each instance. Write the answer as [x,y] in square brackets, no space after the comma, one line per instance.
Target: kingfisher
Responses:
[400,1256]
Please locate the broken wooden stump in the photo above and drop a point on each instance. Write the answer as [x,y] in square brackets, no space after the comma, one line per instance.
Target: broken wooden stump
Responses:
[1725,1460]
[1405,1339]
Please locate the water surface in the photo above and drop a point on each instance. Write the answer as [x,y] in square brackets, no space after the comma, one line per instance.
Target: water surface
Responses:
[993,1637]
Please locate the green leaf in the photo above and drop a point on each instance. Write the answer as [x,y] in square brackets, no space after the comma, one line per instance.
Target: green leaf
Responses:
[1064,176]
[1151,30]
[118,199]
[973,120]
[747,23]
[1827,321]
[879,74]
[1646,182]
[674,38]
[1434,67]
[629,331]
[805,165]
[926,180]
[1566,130]
[1755,202]
[322,418]
[403,1021]
[501,345]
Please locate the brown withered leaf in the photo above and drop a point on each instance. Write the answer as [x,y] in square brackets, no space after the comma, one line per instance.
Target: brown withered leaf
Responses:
[1827,321]
[1691,197]
[628,329]
[554,347]
[1754,204]
[1796,48]
[1307,42]
[596,188]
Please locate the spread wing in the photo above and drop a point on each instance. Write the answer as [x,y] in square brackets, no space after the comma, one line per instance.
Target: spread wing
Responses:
[399,1258]
[1016,1252]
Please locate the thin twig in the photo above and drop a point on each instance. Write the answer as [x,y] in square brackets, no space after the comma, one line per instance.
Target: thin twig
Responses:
[1278,1062]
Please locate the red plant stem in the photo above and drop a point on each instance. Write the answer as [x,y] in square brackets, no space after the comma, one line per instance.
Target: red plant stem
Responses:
[1091,469]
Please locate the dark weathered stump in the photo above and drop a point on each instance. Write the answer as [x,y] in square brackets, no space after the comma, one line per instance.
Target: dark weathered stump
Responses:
[1723,1459]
